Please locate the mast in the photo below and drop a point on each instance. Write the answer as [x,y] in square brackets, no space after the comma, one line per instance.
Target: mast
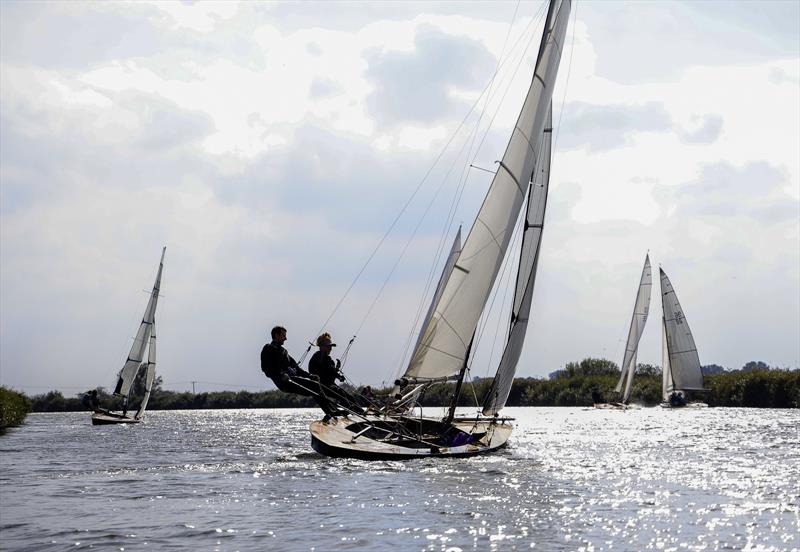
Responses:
[454,401]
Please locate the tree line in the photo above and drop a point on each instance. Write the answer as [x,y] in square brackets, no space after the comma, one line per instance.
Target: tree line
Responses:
[577,384]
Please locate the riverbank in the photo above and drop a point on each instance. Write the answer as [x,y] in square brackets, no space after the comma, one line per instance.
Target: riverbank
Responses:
[755,388]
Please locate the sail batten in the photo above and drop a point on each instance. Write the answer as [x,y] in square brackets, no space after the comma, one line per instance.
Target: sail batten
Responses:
[444,340]
[638,320]
[682,369]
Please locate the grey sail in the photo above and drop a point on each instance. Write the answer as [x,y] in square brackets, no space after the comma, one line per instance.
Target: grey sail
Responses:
[638,320]
[497,396]
[131,366]
[446,338]
[685,372]
[150,374]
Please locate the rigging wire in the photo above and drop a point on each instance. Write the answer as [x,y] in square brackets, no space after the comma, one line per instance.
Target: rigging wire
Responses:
[505,264]
[405,207]
[569,71]
[465,169]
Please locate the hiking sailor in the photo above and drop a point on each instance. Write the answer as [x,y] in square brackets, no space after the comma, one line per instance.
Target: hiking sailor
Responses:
[287,375]
[321,363]
[322,366]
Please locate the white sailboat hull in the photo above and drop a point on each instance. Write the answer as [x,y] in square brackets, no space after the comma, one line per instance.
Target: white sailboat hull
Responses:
[370,438]
[106,418]
[615,406]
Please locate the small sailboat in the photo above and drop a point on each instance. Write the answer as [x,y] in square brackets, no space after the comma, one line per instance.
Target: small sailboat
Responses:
[145,340]
[682,372]
[442,352]
[638,320]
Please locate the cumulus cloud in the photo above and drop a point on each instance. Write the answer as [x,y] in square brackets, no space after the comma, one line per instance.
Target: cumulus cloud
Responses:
[603,127]
[416,86]
[269,147]
[757,191]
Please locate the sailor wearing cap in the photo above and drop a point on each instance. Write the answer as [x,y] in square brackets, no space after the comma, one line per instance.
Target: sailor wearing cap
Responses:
[321,363]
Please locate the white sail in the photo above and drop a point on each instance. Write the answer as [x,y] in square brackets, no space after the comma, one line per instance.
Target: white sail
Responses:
[150,374]
[131,367]
[496,398]
[684,364]
[666,371]
[455,250]
[638,320]
[446,338]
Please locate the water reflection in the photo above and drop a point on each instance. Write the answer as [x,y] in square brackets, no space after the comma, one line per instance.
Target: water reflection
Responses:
[571,479]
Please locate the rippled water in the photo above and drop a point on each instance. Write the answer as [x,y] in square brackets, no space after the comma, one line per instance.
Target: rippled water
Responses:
[571,479]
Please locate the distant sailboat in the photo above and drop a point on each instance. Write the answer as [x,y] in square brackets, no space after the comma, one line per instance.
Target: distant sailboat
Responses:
[446,338]
[682,372]
[145,340]
[638,320]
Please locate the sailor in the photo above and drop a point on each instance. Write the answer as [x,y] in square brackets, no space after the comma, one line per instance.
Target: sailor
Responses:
[321,363]
[322,366]
[91,401]
[287,375]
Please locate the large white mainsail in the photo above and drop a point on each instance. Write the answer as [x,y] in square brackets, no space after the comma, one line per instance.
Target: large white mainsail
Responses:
[447,336]
[496,398]
[682,369]
[638,320]
[150,374]
[131,367]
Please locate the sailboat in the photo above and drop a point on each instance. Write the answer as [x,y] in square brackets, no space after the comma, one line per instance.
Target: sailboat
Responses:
[442,352]
[145,340]
[638,320]
[682,372]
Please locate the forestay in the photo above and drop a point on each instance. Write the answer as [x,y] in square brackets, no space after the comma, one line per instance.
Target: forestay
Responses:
[638,320]
[445,339]
[684,364]
[131,367]
[496,398]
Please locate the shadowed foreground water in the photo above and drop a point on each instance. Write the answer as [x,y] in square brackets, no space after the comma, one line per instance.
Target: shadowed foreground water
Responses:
[571,479]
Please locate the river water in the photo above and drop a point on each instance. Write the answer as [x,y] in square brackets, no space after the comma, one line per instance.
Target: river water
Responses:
[570,479]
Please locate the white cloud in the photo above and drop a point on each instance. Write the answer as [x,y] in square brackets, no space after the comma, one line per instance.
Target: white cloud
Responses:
[270,196]
[198,16]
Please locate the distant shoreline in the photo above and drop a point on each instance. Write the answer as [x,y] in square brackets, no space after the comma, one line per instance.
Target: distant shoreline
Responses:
[759,388]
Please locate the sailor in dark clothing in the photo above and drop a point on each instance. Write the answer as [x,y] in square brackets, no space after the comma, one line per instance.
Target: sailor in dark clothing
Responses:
[328,371]
[287,375]
[321,363]
[91,401]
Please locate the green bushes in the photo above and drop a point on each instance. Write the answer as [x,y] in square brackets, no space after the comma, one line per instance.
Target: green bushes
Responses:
[761,388]
[13,408]
[578,384]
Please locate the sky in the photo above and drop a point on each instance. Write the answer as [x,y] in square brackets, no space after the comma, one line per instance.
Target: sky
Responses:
[299,161]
